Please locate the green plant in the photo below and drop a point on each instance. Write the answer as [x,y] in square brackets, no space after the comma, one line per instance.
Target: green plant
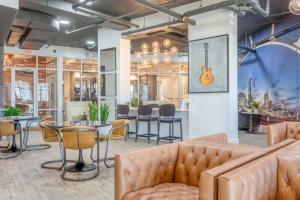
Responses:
[12,111]
[134,102]
[255,105]
[93,111]
[104,111]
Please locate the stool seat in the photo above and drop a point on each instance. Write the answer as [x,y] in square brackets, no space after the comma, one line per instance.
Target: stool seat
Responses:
[170,120]
[147,118]
[129,117]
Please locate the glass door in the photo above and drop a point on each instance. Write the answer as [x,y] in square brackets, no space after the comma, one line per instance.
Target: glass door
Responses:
[24,82]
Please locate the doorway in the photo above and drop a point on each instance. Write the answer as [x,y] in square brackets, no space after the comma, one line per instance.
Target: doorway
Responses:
[23,94]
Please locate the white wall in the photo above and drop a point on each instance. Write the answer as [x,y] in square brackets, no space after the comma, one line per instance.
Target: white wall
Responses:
[216,112]
[108,38]
[10,3]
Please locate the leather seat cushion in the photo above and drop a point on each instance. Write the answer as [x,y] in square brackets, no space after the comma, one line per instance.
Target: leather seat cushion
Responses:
[165,191]
[293,130]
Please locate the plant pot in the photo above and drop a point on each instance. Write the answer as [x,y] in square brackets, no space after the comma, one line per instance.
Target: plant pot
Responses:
[255,110]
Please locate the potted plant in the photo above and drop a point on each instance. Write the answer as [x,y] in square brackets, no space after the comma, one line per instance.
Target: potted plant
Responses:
[104,111]
[255,106]
[12,111]
[93,112]
[134,102]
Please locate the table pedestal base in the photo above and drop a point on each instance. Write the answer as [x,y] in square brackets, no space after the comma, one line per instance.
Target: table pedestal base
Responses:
[80,166]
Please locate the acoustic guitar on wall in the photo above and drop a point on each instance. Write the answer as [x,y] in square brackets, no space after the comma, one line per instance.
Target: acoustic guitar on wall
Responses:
[207,77]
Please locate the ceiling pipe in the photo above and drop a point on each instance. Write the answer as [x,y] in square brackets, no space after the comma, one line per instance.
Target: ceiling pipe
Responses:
[104,16]
[256,6]
[166,11]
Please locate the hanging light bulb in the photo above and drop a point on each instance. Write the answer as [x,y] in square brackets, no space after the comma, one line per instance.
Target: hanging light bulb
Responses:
[167,43]
[294,7]
[144,46]
[138,55]
[155,44]
[144,51]
[155,60]
[155,51]
[167,59]
[173,50]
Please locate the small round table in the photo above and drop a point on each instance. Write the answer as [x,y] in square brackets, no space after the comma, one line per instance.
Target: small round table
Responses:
[17,120]
[81,165]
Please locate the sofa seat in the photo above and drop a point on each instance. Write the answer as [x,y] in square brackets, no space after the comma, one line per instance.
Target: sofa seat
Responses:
[165,191]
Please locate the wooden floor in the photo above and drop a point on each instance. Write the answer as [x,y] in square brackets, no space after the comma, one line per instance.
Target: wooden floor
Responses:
[22,178]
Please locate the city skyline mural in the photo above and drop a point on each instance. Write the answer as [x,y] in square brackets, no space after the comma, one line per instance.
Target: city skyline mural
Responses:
[271,76]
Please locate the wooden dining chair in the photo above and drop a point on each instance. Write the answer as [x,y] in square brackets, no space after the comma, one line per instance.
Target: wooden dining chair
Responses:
[8,129]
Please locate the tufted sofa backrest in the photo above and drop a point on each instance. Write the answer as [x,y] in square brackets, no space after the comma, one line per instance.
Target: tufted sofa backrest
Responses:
[293,130]
[144,168]
[255,181]
[193,159]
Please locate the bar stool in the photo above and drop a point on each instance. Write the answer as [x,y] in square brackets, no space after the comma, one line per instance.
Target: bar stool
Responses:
[80,138]
[123,113]
[145,115]
[8,128]
[167,115]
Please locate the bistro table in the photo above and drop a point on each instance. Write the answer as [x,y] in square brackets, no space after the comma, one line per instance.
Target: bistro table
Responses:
[251,114]
[17,120]
[81,165]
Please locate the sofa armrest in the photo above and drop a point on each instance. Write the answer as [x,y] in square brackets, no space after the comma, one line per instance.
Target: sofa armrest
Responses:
[144,168]
[276,133]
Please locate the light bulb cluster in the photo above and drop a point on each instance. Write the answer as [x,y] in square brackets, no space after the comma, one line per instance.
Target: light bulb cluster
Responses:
[156,52]
[294,7]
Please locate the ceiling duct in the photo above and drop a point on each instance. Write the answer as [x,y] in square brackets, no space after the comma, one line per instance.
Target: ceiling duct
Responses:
[33,29]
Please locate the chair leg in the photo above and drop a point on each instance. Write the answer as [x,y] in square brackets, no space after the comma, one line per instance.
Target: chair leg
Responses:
[137,130]
[172,132]
[149,131]
[106,156]
[181,137]
[158,132]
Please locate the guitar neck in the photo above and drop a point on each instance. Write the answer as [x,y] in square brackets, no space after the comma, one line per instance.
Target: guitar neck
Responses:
[206,54]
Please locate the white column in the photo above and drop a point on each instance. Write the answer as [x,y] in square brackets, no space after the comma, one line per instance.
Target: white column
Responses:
[59,89]
[216,112]
[108,38]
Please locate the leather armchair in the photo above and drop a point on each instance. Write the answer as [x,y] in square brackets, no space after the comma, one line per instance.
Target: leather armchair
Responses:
[282,131]
[169,171]
[274,177]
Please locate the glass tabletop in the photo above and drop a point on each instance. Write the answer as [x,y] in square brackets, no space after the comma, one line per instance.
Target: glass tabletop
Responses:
[19,118]
[94,124]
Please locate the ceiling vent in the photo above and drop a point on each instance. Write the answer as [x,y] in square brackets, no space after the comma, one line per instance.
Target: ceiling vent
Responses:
[33,30]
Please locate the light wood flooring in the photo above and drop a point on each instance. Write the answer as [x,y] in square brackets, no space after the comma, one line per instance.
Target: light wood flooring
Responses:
[22,178]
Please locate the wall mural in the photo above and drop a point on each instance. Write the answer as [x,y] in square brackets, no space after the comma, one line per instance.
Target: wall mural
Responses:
[271,77]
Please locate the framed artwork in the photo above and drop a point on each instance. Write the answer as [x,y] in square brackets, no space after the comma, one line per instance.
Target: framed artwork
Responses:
[208,65]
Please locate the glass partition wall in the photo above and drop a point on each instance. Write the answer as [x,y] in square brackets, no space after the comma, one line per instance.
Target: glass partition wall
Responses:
[30,82]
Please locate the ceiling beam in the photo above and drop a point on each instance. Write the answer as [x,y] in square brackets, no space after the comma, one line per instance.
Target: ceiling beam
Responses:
[167,11]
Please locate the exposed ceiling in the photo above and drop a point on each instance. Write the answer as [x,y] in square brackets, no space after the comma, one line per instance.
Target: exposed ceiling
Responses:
[129,9]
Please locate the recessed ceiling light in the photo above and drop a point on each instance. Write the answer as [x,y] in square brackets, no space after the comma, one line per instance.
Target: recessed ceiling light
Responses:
[89,3]
[64,22]
[90,42]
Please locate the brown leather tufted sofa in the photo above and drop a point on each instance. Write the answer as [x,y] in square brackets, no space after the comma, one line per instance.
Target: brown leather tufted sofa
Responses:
[169,171]
[275,176]
[282,131]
